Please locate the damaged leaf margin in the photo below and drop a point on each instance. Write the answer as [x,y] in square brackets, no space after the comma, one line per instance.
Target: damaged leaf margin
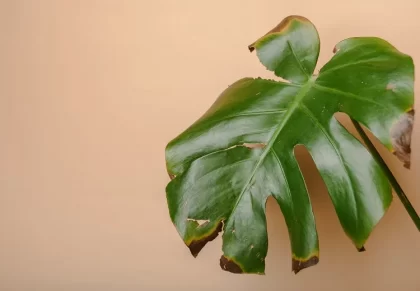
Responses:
[196,244]
[401,134]
[299,264]
[229,265]
[282,28]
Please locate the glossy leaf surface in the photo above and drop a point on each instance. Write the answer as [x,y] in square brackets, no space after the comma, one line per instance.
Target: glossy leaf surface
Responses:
[241,151]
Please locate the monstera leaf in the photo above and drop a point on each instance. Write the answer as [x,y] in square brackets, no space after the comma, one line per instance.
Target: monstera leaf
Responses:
[241,151]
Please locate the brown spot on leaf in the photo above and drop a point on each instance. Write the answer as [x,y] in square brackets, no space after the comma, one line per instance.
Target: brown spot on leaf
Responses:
[171,176]
[254,145]
[229,265]
[197,245]
[298,265]
[283,25]
[401,137]
[362,249]
[335,49]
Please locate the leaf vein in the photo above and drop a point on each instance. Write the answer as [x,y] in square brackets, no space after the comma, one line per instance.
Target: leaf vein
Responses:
[332,69]
[291,109]
[284,176]
[348,94]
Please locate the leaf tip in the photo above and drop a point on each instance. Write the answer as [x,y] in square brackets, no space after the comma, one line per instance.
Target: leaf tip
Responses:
[361,249]
[300,264]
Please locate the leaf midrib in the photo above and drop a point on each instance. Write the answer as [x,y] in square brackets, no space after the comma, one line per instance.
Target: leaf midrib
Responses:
[292,108]
[297,60]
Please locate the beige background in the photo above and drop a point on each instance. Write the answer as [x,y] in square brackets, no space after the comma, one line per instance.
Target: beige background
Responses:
[91,92]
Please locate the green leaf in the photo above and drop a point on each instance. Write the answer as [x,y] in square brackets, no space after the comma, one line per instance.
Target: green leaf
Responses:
[241,151]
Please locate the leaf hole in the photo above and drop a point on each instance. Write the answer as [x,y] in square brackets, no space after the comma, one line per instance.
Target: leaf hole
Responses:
[200,222]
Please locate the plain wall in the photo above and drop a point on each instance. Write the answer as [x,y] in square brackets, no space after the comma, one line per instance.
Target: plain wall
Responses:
[90,94]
